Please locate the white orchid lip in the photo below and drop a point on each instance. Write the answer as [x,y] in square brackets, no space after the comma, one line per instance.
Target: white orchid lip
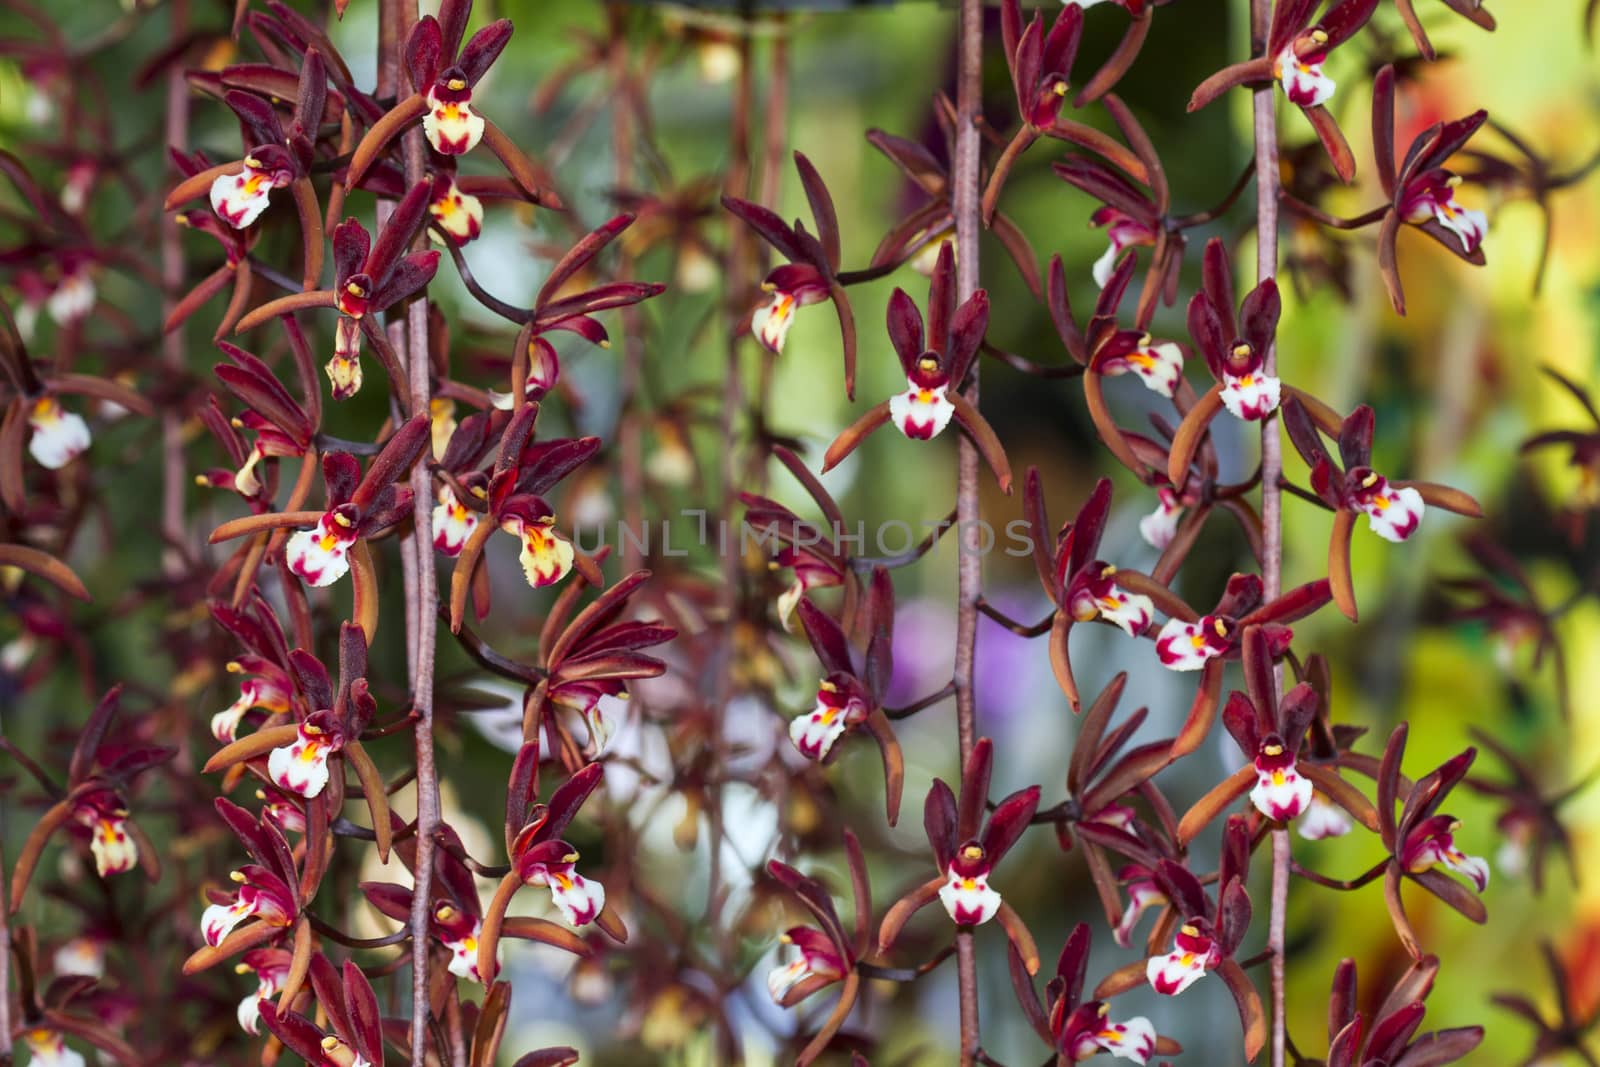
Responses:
[1251,396]
[1392,513]
[924,409]
[301,767]
[1302,78]
[59,436]
[451,124]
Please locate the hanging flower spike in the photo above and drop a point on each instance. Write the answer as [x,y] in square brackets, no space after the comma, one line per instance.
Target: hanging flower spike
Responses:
[453,522]
[546,556]
[1280,793]
[841,704]
[59,436]
[459,214]
[301,767]
[1432,842]
[1160,526]
[553,864]
[1235,346]
[459,932]
[1194,953]
[267,690]
[320,556]
[934,372]
[261,895]
[1421,191]
[1394,510]
[1432,197]
[818,964]
[811,274]
[105,816]
[1323,819]
[239,199]
[1296,50]
[271,968]
[49,1049]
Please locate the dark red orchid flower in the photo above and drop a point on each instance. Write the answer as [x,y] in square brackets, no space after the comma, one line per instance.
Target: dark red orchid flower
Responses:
[443,72]
[916,237]
[1530,818]
[814,554]
[936,368]
[968,842]
[240,190]
[351,1008]
[829,952]
[1192,642]
[1389,1035]
[94,803]
[513,500]
[1420,839]
[360,506]
[539,857]
[71,1006]
[368,279]
[849,696]
[1394,509]
[812,273]
[1421,191]
[1570,1032]
[1079,1029]
[1297,48]
[1205,935]
[1271,732]
[1081,585]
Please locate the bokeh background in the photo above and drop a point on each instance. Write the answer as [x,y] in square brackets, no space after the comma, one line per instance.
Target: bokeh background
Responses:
[1455,385]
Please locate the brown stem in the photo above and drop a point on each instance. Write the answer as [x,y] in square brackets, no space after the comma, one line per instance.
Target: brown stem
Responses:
[738,264]
[173,482]
[966,192]
[630,438]
[1267,193]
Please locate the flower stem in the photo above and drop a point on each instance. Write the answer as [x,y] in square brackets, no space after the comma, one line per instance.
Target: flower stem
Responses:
[1268,189]
[966,192]
[174,476]
[397,18]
